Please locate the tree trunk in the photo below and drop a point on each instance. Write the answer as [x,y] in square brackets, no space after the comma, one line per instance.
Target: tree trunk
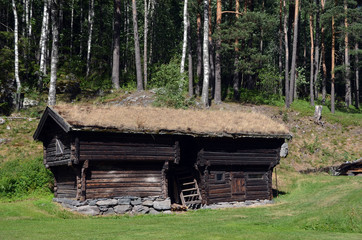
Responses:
[145,38]
[199,52]
[236,79]
[217,96]
[137,47]
[16,60]
[90,32]
[324,66]
[286,45]
[311,85]
[294,54]
[332,65]
[357,105]
[81,30]
[184,41]
[54,54]
[71,27]
[43,43]
[116,43]
[191,74]
[280,60]
[211,55]
[316,52]
[205,86]
[348,97]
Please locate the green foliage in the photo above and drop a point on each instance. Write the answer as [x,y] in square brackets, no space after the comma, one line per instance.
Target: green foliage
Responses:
[257,97]
[21,177]
[171,86]
[269,80]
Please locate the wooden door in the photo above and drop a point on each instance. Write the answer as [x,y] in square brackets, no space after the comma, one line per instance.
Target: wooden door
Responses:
[238,184]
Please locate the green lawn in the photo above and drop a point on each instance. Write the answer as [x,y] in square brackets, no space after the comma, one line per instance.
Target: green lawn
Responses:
[317,207]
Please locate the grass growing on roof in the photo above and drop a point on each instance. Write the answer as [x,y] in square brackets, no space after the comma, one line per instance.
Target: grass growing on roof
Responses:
[317,206]
[158,119]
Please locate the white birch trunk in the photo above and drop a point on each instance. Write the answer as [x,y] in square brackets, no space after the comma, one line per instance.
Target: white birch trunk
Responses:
[42,43]
[205,86]
[16,53]
[30,17]
[184,41]
[90,31]
[137,47]
[54,54]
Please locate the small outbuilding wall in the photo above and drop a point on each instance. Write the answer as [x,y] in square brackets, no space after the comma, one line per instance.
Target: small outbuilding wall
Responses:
[92,162]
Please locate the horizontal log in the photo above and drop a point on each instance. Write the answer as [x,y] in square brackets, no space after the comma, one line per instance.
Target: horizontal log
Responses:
[126,157]
[222,191]
[130,180]
[133,152]
[236,154]
[119,194]
[107,147]
[124,179]
[256,182]
[219,186]
[121,185]
[120,143]
[238,162]
[57,163]
[257,188]
[240,158]
[135,172]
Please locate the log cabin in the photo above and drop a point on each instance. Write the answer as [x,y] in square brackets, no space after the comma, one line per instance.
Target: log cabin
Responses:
[194,157]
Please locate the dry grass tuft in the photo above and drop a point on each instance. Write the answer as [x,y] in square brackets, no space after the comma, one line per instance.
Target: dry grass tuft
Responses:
[146,119]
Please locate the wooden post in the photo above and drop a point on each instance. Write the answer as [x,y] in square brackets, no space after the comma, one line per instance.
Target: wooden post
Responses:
[164,184]
[83,181]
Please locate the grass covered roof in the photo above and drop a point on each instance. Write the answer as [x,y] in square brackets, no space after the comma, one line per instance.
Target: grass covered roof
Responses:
[164,120]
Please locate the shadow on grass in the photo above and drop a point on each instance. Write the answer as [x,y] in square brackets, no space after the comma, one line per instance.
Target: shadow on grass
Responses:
[277,193]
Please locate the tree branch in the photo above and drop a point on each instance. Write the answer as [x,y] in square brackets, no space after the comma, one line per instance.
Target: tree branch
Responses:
[7,26]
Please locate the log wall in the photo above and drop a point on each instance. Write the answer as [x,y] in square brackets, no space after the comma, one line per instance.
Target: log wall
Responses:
[123,179]
[65,184]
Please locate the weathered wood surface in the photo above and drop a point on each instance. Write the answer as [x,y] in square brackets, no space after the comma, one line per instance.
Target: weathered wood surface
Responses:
[66,182]
[126,178]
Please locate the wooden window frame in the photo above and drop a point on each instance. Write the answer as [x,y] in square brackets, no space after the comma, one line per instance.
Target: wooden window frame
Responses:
[222,180]
[256,178]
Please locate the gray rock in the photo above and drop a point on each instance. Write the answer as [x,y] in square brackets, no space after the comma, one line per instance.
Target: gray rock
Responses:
[2,121]
[167,212]
[124,201]
[136,202]
[121,209]
[153,211]
[147,203]
[109,211]
[284,150]
[108,202]
[92,202]
[29,103]
[88,210]
[140,209]
[103,208]
[162,205]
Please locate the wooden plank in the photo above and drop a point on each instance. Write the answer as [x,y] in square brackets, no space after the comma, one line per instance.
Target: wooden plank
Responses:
[127,157]
[121,185]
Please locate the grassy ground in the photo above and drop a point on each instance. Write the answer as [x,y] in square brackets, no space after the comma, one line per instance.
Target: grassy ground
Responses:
[317,206]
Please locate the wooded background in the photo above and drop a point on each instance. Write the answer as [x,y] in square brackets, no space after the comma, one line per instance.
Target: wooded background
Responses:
[211,48]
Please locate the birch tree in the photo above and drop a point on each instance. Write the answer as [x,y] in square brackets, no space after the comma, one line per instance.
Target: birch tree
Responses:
[43,43]
[205,86]
[145,38]
[311,85]
[236,79]
[286,46]
[54,54]
[16,55]
[116,43]
[217,96]
[323,54]
[90,32]
[184,41]
[294,54]
[137,47]
[357,105]
[199,50]
[316,50]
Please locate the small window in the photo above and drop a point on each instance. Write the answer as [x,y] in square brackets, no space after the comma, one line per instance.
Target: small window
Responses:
[256,176]
[59,147]
[220,177]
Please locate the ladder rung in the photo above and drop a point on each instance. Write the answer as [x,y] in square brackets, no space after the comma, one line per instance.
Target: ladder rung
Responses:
[189,189]
[188,183]
[191,195]
[193,202]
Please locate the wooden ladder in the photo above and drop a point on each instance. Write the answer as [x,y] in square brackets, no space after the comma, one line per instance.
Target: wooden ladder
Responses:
[189,191]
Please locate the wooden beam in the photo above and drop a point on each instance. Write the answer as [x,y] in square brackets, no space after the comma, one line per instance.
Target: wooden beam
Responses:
[83,180]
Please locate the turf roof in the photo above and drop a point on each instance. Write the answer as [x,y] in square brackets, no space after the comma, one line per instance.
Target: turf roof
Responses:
[172,121]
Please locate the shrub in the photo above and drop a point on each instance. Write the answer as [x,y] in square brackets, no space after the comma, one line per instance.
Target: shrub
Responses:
[20,177]
[171,86]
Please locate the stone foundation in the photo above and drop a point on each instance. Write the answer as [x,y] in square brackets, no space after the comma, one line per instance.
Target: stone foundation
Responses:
[118,205]
[136,205]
